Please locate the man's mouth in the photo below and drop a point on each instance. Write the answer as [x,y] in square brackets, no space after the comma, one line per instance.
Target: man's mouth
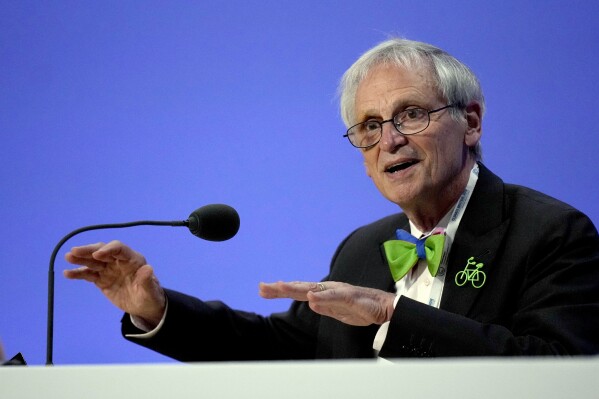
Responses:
[400,166]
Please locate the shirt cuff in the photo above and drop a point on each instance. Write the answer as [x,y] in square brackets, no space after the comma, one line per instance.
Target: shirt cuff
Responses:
[143,325]
[381,334]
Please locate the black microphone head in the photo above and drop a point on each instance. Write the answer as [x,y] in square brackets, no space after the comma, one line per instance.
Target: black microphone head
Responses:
[215,222]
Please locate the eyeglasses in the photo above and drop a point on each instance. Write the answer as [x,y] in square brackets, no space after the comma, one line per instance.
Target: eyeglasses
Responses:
[407,122]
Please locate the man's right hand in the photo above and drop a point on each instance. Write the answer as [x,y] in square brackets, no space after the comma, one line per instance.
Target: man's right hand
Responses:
[122,275]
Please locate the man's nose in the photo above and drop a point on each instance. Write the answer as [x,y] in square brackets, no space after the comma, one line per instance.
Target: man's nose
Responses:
[391,139]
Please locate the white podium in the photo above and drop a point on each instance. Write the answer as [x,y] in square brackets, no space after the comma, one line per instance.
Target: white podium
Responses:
[440,379]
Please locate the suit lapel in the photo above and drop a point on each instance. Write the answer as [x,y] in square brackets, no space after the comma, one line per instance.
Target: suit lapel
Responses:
[479,236]
[477,241]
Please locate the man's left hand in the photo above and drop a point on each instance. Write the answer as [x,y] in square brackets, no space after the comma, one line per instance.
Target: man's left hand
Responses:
[350,304]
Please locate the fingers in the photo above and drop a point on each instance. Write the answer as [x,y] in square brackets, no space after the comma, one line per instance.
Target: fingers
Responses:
[80,255]
[297,290]
[83,256]
[85,251]
[84,261]
[359,306]
[116,250]
[105,265]
[96,256]
[82,273]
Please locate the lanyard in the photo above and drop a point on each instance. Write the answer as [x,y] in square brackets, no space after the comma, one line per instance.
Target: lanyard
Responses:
[450,231]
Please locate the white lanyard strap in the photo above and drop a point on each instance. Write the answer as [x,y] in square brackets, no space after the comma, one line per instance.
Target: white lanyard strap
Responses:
[450,231]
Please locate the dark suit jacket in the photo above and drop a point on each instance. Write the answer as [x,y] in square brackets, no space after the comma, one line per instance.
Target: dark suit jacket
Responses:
[540,297]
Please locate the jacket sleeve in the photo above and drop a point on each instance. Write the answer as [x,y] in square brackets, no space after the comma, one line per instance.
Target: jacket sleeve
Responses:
[196,330]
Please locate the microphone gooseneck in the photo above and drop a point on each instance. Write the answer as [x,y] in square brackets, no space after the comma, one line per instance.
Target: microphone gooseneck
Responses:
[215,222]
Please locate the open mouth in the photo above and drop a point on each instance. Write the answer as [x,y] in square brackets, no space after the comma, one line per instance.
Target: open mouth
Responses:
[400,166]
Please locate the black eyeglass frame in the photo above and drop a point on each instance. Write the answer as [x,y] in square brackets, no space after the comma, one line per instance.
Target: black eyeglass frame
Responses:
[396,125]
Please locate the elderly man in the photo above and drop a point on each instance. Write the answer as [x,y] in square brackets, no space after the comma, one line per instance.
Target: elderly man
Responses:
[472,267]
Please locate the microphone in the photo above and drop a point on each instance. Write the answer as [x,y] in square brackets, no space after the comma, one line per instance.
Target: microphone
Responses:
[214,222]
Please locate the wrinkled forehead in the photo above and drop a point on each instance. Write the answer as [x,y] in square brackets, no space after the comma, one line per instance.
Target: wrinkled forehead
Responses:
[412,83]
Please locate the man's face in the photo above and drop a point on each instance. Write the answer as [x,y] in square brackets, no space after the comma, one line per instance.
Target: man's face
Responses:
[425,168]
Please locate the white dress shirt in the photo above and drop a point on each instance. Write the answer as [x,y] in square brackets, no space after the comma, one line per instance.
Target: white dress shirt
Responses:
[417,284]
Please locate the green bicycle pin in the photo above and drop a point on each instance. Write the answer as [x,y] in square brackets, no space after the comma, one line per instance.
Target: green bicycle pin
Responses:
[471,273]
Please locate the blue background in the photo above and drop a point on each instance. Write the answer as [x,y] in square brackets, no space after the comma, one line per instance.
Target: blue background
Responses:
[115,111]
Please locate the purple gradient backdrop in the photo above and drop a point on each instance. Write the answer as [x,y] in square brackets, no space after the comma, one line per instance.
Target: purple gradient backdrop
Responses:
[117,111]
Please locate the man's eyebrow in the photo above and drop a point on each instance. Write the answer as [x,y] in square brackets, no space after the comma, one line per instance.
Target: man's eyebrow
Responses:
[370,114]
[398,106]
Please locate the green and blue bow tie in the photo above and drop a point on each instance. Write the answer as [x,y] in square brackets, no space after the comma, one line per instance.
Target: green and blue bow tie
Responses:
[403,253]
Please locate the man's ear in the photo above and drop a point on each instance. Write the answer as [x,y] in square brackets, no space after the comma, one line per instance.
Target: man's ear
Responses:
[473,124]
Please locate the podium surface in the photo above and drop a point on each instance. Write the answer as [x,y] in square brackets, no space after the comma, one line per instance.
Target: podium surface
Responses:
[441,379]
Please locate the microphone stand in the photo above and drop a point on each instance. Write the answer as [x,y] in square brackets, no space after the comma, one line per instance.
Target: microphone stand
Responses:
[50,331]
